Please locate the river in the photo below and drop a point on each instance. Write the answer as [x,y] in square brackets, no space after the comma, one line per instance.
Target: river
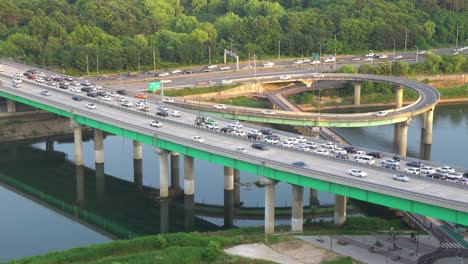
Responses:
[29,228]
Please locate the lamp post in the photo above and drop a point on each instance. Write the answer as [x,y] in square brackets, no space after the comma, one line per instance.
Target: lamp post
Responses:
[279,49]
[417,51]
[334,62]
[255,66]
[406,37]
[456,42]
[393,49]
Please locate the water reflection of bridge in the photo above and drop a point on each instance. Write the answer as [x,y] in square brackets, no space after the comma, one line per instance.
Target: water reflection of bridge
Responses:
[115,206]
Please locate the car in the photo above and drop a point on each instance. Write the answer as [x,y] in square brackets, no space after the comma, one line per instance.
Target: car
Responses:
[381,56]
[77,98]
[396,157]
[206,70]
[417,164]
[259,146]
[166,81]
[231,126]
[462,181]
[105,98]
[46,93]
[375,154]
[144,108]
[269,64]
[226,81]
[91,106]
[266,131]
[412,170]
[141,95]
[302,148]
[176,71]
[76,90]
[454,175]
[330,59]
[247,67]
[298,62]
[162,113]
[213,66]
[369,160]
[445,169]
[368,59]
[187,72]
[315,62]
[85,89]
[198,139]
[293,140]
[168,100]
[226,129]
[270,140]
[357,173]
[238,124]
[342,156]
[322,152]
[239,133]
[75,83]
[300,164]
[338,151]
[427,170]
[437,175]
[32,77]
[176,113]
[92,94]
[17,80]
[40,80]
[380,113]
[301,139]
[126,103]
[311,144]
[390,161]
[210,120]
[15,85]
[400,177]
[398,57]
[141,104]
[121,92]
[63,85]
[17,74]
[350,149]
[317,75]
[465,174]
[422,52]
[370,55]
[162,107]
[285,77]
[254,136]
[155,123]
[329,145]
[356,59]
[85,83]
[287,144]
[390,166]
[241,149]
[220,106]
[225,68]
[269,112]
[163,74]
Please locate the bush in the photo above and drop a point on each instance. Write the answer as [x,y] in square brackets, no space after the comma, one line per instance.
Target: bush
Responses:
[212,251]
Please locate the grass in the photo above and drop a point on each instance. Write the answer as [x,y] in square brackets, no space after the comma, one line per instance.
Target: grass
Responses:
[245,101]
[197,90]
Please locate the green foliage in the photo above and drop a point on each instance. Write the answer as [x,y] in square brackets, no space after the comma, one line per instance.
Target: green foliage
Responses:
[344,260]
[246,101]
[348,69]
[212,252]
[197,90]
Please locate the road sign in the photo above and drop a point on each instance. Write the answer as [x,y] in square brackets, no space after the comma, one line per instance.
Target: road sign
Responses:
[154,86]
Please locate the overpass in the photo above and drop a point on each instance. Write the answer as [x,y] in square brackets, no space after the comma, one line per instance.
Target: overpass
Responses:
[421,195]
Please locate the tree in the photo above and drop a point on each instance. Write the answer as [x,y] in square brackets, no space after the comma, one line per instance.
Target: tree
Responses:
[348,69]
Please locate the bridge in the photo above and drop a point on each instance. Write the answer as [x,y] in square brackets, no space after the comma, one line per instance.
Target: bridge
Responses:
[421,195]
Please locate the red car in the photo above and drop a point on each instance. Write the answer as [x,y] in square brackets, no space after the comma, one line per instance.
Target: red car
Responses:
[141,95]
[32,76]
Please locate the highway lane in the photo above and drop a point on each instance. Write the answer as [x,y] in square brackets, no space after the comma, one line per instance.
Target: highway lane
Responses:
[325,168]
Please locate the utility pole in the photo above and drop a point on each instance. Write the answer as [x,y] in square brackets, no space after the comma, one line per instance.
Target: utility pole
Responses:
[154,60]
[87,65]
[417,51]
[406,37]
[279,48]
[456,45]
[334,62]
[209,55]
[97,63]
[393,49]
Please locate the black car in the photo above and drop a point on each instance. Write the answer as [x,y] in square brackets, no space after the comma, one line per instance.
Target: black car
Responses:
[266,131]
[187,72]
[162,113]
[101,93]
[390,166]
[85,89]
[63,86]
[91,94]
[375,154]
[259,146]
[122,92]
[350,149]
[465,174]
[58,79]
[437,175]
[77,98]
[254,136]
[68,78]
[397,158]
[417,164]
[273,137]
[226,129]
[299,164]
[342,156]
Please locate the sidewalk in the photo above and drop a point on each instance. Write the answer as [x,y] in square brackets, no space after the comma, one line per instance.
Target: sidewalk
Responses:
[357,247]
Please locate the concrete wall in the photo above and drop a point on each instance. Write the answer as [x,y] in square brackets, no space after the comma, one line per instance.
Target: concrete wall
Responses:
[241,90]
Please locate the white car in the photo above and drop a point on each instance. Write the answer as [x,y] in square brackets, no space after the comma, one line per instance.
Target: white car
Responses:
[298,62]
[166,81]
[212,66]
[445,169]
[315,62]
[357,173]
[155,123]
[370,55]
[322,152]
[269,112]
[239,133]
[330,59]
[91,106]
[17,74]
[301,139]
[311,144]
[329,145]
[381,113]
[255,132]
[76,89]
[368,59]
[168,99]
[46,93]
[454,175]
[303,148]
[356,59]
[226,81]
[285,77]
[390,162]
[220,106]
[317,75]
[212,126]
[398,57]
[427,170]
[237,124]
[412,170]
[400,177]
[269,64]
[383,56]
[247,67]
[162,107]
[176,71]
[126,103]
[17,81]
[225,68]
[163,74]
[198,139]
[105,98]
[293,140]
[338,151]
[40,80]
[241,149]
[176,113]
[270,140]
[287,144]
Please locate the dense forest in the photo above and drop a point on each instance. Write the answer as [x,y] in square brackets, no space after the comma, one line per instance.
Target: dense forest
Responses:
[127,34]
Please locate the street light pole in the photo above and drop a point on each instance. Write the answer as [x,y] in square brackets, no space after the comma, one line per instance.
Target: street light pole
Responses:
[334,62]
[279,49]
[393,49]
[255,66]
[456,45]
[417,51]
[406,37]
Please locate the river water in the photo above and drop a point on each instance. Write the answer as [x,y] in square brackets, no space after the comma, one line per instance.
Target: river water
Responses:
[30,227]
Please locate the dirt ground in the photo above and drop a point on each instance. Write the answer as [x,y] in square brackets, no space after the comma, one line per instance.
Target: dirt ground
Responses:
[294,251]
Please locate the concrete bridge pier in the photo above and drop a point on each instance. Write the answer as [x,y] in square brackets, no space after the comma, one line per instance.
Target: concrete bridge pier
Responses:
[315,132]
[313,199]
[403,142]
[357,93]
[189,212]
[164,215]
[237,185]
[269,206]
[308,82]
[399,97]
[98,146]
[297,219]
[78,138]
[80,186]
[138,173]
[428,126]
[189,182]
[49,145]
[163,173]
[100,182]
[175,171]
[11,106]
[340,209]
[228,196]
[137,150]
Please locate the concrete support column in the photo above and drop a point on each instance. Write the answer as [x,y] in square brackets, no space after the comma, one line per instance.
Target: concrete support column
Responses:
[175,171]
[237,185]
[402,144]
[357,93]
[313,199]
[78,144]
[228,208]
[100,182]
[429,124]
[49,145]
[396,134]
[137,150]
[80,185]
[189,212]
[340,209]
[98,146]
[270,207]
[163,173]
[228,178]
[164,215]
[11,106]
[189,182]
[138,173]
[315,133]
[399,97]
[297,218]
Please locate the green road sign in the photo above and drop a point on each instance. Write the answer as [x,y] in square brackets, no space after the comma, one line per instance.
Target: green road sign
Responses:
[154,86]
